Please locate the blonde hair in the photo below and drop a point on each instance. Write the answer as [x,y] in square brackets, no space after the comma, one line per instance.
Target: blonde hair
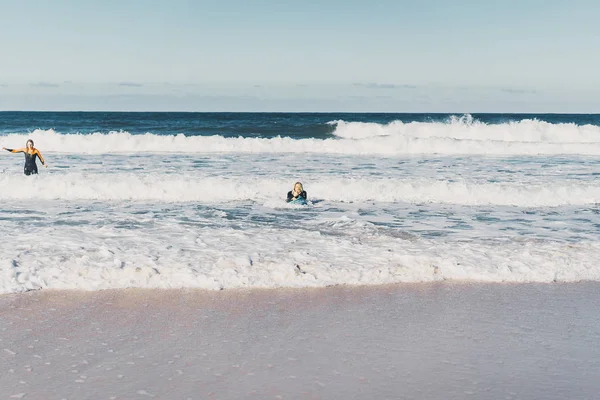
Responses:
[298,184]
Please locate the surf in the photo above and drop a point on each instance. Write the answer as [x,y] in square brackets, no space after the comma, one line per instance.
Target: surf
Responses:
[457,136]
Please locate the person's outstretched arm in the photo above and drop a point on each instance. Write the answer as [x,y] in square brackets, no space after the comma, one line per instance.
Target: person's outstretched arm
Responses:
[14,150]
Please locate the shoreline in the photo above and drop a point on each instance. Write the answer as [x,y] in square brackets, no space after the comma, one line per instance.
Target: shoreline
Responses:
[341,286]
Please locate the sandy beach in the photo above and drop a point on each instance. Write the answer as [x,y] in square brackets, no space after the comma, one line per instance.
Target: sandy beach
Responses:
[408,341]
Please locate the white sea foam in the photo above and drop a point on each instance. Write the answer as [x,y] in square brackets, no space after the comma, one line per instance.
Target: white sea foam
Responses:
[353,138]
[177,256]
[156,187]
[466,128]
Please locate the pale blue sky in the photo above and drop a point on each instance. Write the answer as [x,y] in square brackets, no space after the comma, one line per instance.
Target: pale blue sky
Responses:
[428,55]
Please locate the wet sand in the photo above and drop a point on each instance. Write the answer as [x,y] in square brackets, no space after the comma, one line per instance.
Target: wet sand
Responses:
[407,341]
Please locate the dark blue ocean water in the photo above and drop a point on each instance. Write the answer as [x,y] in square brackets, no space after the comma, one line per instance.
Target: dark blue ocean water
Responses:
[263,125]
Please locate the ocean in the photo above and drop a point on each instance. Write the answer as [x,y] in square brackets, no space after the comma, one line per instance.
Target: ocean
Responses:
[197,200]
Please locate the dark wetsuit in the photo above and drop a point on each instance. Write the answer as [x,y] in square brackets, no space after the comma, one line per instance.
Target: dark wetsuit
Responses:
[30,165]
[290,195]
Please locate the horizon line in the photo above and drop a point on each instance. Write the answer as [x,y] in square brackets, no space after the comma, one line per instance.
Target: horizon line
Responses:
[301,112]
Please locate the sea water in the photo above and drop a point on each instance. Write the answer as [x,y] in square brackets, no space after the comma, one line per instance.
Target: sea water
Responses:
[171,200]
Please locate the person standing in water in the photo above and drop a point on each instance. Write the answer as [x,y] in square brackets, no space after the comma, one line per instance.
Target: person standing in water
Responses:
[298,191]
[30,154]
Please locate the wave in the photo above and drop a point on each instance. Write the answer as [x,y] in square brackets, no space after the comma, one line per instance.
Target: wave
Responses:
[224,259]
[457,137]
[467,128]
[191,188]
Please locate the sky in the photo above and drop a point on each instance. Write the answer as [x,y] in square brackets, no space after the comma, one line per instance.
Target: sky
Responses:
[311,55]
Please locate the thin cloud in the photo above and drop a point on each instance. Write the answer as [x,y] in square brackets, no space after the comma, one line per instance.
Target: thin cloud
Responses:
[359,98]
[130,84]
[44,85]
[372,85]
[518,91]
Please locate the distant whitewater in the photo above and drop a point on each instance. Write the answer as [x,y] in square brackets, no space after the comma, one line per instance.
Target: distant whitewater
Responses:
[457,136]
[197,200]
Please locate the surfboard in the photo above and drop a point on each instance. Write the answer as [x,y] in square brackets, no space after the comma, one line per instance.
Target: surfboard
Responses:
[300,201]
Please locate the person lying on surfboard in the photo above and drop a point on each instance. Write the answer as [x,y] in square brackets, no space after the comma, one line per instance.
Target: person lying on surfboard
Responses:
[30,154]
[297,192]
